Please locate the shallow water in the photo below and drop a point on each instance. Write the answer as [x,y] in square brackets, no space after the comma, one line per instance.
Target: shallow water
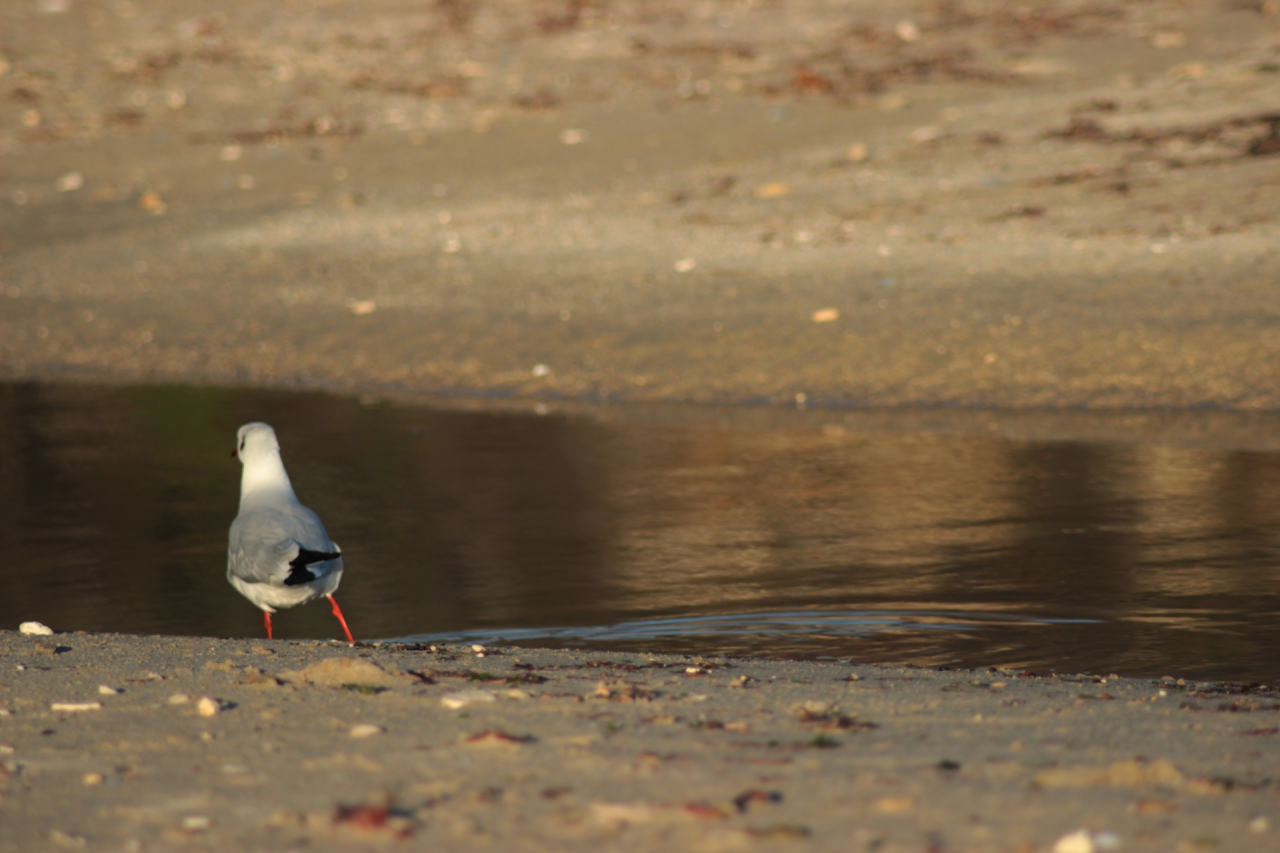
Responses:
[817,537]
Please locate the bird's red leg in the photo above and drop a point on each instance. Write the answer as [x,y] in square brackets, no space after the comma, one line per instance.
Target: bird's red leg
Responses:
[266,617]
[337,612]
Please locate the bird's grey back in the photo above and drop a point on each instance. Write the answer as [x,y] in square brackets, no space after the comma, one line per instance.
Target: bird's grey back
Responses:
[264,539]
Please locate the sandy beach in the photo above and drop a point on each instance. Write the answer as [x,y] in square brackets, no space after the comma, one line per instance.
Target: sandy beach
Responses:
[114,742]
[857,203]
[968,206]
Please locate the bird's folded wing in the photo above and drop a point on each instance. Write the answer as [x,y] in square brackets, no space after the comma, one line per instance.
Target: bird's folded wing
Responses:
[261,562]
[262,547]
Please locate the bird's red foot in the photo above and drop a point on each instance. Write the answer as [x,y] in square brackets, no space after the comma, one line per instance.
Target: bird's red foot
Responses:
[338,612]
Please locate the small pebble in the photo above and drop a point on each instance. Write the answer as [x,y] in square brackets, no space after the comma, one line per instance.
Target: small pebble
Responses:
[362,730]
[75,706]
[107,690]
[92,779]
[496,737]
[208,706]
[153,203]
[907,30]
[195,823]
[463,698]
[1075,842]
[895,805]
[179,699]
[34,628]
[67,839]
[70,182]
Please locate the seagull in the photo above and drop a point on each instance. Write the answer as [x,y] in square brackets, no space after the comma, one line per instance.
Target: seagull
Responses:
[280,555]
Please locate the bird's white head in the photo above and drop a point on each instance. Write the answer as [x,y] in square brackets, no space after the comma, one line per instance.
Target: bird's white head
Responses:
[259,452]
[254,440]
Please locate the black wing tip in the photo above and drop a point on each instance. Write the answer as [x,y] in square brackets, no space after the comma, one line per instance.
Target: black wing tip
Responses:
[299,573]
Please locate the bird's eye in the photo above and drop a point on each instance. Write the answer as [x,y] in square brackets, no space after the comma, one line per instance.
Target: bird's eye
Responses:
[242,445]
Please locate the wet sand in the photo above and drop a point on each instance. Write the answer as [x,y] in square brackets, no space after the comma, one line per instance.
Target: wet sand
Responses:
[197,743]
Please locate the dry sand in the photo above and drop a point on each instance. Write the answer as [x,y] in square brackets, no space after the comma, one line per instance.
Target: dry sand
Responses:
[317,745]
[1056,204]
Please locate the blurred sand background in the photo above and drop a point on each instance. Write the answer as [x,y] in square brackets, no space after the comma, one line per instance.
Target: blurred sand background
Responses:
[1038,204]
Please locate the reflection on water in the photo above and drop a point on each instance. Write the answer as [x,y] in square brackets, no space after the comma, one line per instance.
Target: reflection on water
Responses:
[817,538]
